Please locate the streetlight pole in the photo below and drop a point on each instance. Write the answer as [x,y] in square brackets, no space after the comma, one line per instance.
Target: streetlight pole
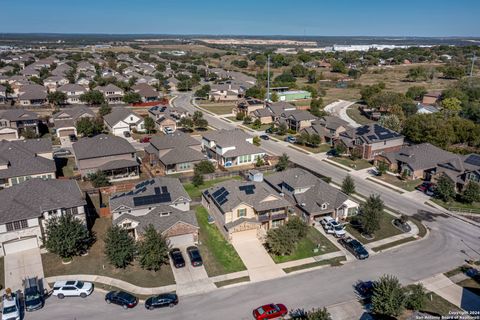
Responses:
[268,78]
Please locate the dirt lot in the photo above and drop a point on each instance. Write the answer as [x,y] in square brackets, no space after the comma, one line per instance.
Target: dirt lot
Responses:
[183,47]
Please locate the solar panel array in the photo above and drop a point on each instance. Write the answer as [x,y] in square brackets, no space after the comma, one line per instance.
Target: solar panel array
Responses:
[161,196]
[248,189]
[473,159]
[220,196]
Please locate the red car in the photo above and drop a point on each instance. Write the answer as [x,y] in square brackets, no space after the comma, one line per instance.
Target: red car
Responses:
[145,139]
[270,311]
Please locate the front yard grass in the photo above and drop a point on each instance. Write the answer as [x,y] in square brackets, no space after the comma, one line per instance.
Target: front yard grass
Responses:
[219,256]
[196,192]
[224,283]
[408,185]
[305,247]
[218,108]
[334,262]
[439,305]
[96,263]
[458,206]
[354,164]
[324,147]
[354,113]
[2,274]
[386,230]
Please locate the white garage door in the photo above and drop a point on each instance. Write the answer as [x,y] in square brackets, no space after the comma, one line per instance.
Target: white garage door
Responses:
[182,241]
[120,131]
[8,136]
[20,245]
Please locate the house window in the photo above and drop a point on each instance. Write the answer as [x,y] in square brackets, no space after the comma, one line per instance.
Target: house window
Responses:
[241,212]
[127,225]
[277,223]
[184,166]
[71,211]
[17,225]
[164,214]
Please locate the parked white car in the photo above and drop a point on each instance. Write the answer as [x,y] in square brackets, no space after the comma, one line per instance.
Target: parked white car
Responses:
[63,289]
[10,307]
[333,227]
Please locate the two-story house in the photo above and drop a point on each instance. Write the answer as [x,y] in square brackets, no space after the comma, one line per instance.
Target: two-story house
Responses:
[66,119]
[54,82]
[146,91]
[369,140]
[112,93]
[32,95]
[166,117]
[247,106]
[312,197]
[122,120]
[328,128]
[297,120]
[73,92]
[173,153]
[245,205]
[14,122]
[112,155]
[161,202]
[460,169]
[27,207]
[231,148]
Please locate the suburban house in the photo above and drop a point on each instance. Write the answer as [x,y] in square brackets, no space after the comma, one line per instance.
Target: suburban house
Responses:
[231,148]
[328,128]
[112,93]
[265,115]
[461,170]
[225,92]
[21,160]
[172,83]
[122,120]
[73,92]
[313,198]
[53,82]
[112,155]
[65,121]
[297,120]
[3,94]
[370,140]
[13,122]
[245,205]
[32,95]
[26,208]
[279,108]
[173,153]
[147,92]
[431,98]
[247,106]
[161,202]
[166,117]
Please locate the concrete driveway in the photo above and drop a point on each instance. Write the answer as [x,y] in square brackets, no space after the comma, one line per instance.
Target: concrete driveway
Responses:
[21,265]
[259,264]
[190,279]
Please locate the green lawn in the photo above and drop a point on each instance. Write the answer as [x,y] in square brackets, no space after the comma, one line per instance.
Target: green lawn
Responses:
[324,147]
[386,230]
[437,304]
[356,116]
[224,283]
[232,118]
[218,108]
[393,244]
[262,128]
[305,247]
[332,262]
[460,206]
[357,164]
[408,185]
[96,263]
[219,256]
[196,192]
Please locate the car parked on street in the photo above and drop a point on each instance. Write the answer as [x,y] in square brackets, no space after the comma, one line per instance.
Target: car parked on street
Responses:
[270,311]
[121,298]
[10,307]
[161,301]
[264,137]
[177,258]
[33,294]
[72,288]
[364,289]
[195,257]
[355,247]
[291,139]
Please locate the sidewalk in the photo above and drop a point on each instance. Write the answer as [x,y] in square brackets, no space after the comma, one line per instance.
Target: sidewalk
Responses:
[300,262]
[413,232]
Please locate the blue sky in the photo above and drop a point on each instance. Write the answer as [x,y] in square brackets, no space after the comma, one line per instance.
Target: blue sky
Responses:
[245,17]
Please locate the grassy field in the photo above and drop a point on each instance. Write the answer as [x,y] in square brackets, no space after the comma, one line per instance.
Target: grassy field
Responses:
[218,108]
[96,263]
[468,207]
[357,164]
[224,283]
[219,256]
[408,185]
[196,192]
[386,230]
[332,262]
[198,48]
[305,247]
[354,113]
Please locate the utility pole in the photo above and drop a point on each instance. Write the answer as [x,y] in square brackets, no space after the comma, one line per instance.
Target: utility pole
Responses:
[268,78]
[473,63]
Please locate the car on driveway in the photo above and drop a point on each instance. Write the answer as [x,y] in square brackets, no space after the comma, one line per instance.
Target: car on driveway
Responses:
[145,139]
[62,153]
[264,137]
[62,289]
[355,247]
[427,188]
[121,298]
[72,137]
[10,307]
[177,258]
[33,297]
[331,226]
[195,257]
[270,311]
[161,301]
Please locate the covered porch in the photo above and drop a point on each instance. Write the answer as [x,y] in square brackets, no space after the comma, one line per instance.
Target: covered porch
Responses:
[121,170]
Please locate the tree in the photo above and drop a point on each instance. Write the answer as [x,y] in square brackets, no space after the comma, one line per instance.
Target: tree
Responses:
[247,120]
[203,91]
[57,98]
[416,297]
[319,314]
[256,92]
[338,66]
[382,168]
[66,236]
[204,167]
[368,92]
[445,188]
[99,179]
[312,76]
[390,122]
[340,148]
[256,141]
[149,124]
[153,249]
[372,211]
[88,127]
[282,162]
[416,92]
[354,73]
[29,133]
[259,162]
[282,129]
[471,193]
[417,74]
[348,185]
[316,107]
[132,97]
[388,296]
[201,124]
[314,140]
[453,72]
[186,123]
[257,124]
[242,64]
[451,106]
[92,97]
[281,241]
[298,226]
[120,247]
[105,109]
[197,179]
[299,71]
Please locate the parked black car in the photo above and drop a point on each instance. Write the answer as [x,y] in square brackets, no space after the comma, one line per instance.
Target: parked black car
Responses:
[177,258]
[264,137]
[33,294]
[124,299]
[72,137]
[364,289]
[355,247]
[194,255]
[162,300]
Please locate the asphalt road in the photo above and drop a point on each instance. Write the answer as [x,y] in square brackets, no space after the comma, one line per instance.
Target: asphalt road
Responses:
[446,247]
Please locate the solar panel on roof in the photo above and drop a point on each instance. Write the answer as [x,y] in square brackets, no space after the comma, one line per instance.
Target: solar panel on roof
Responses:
[152,199]
[218,192]
[248,189]
[164,189]
[223,201]
[473,159]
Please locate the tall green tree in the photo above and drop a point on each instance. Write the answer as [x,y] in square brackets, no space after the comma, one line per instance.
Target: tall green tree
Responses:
[186,123]
[416,92]
[66,236]
[88,127]
[132,97]
[372,211]
[149,124]
[57,98]
[282,162]
[153,249]
[92,97]
[105,109]
[391,122]
[348,185]
[99,179]
[120,247]
[445,188]
[282,129]
[204,167]
[388,297]
[416,297]
[471,193]
[281,241]
[451,106]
